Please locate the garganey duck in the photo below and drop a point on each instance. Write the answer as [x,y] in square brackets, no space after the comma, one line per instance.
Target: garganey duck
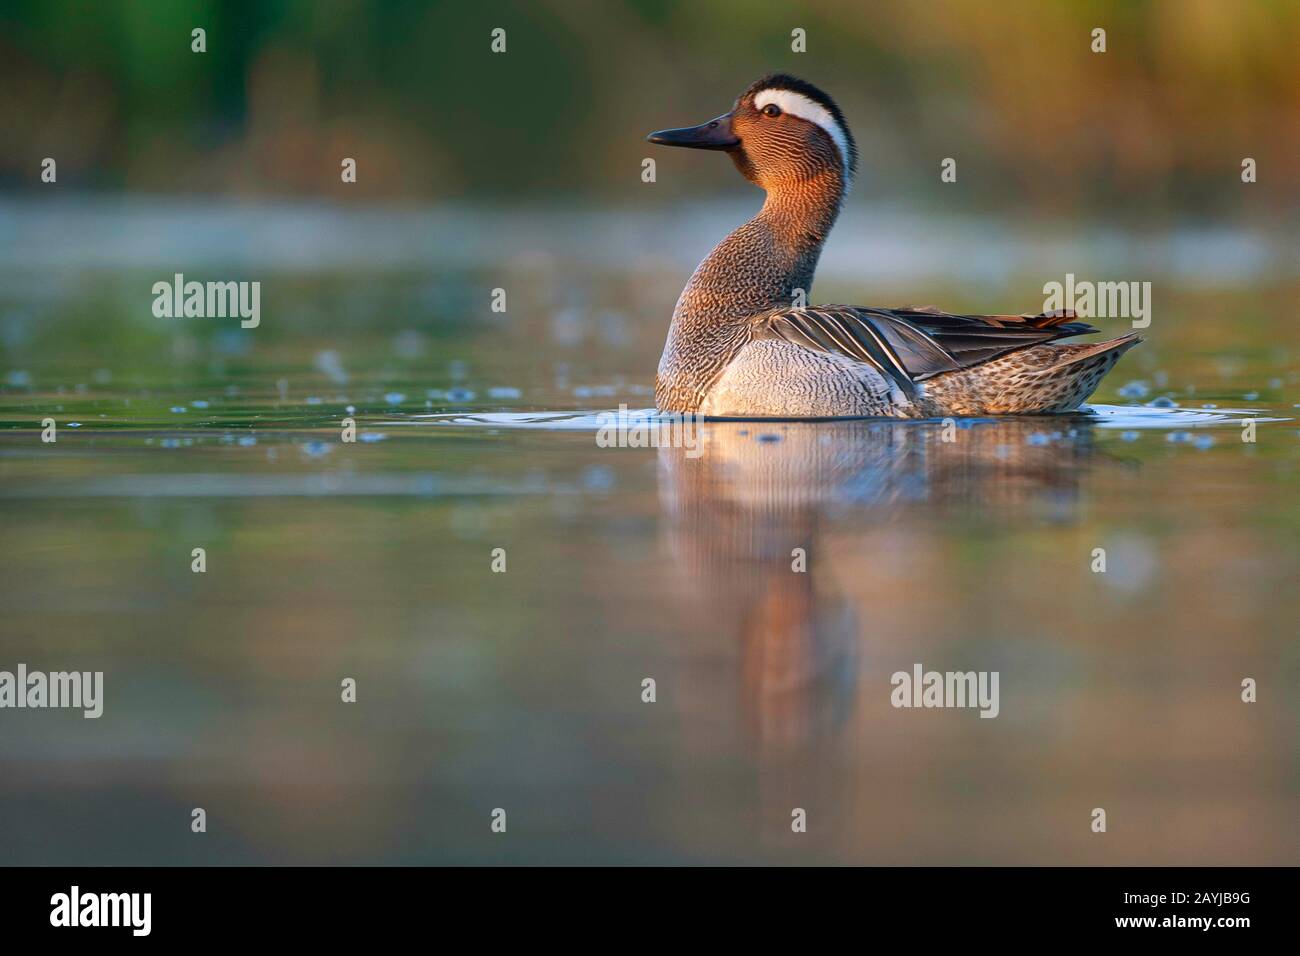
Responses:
[736,347]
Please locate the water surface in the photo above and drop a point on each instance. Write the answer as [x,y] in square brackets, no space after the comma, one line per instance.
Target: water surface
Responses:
[523,690]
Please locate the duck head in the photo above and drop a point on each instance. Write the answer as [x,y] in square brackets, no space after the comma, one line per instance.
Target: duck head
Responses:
[782,131]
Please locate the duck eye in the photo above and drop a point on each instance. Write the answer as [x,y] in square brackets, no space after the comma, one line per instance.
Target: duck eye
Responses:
[771,109]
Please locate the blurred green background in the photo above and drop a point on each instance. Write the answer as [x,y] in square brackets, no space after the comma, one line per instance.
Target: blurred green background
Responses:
[1160,121]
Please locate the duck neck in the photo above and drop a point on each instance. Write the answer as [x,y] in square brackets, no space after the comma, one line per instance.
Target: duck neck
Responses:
[757,268]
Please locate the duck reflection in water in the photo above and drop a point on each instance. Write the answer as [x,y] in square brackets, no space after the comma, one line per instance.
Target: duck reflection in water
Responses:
[764,528]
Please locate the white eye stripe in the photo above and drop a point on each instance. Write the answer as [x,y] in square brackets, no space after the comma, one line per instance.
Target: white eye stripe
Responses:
[801,106]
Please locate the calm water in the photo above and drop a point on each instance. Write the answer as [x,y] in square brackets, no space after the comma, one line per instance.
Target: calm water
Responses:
[522,690]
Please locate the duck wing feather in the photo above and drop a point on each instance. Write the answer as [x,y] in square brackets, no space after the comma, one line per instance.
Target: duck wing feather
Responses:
[913,344]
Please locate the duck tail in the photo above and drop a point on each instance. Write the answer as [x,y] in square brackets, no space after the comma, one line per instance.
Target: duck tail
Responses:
[1043,379]
[1083,353]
